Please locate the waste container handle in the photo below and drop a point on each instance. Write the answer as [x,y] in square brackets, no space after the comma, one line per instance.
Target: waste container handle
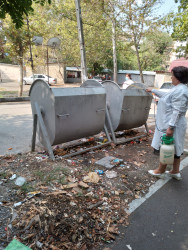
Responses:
[147,108]
[65,115]
[123,110]
[100,110]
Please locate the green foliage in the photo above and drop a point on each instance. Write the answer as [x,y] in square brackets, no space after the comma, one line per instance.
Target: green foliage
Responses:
[155,50]
[17,9]
[180,25]
[59,20]
[17,43]
[183,4]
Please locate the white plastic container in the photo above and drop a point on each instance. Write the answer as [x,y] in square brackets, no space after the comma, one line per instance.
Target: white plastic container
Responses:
[167,150]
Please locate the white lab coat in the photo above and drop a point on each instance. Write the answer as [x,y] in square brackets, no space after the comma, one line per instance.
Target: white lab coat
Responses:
[171,110]
[127,83]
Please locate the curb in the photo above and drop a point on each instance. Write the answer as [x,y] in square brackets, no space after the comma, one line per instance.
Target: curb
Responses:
[15,99]
[154,188]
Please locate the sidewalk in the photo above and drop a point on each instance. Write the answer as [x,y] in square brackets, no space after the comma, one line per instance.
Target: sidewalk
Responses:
[161,221]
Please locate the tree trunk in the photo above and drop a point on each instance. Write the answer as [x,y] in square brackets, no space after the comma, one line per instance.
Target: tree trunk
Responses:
[81,40]
[21,77]
[139,64]
[114,49]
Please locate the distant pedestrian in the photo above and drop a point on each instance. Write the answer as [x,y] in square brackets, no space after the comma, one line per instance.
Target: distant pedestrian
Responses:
[170,119]
[128,81]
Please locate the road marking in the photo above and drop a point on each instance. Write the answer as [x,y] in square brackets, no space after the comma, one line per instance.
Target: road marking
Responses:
[154,188]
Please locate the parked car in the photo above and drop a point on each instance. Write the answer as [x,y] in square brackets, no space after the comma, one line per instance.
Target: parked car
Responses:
[97,78]
[166,87]
[32,78]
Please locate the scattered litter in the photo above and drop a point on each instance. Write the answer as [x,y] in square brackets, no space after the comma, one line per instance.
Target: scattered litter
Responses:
[96,205]
[89,194]
[13,177]
[117,160]
[100,172]
[111,174]
[71,179]
[20,181]
[94,210]
[82,184]
[106,162]
[32,194]
[39,244]
[122,165]
[91,177]
[18,204]
[91,139]
[69,161]
[72,203]
[14,244]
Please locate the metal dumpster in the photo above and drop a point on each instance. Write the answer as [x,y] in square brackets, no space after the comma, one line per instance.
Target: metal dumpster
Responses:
[128,108]
[67,113]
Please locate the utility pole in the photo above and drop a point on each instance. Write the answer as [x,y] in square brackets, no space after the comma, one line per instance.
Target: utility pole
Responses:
[81,40]
[31,56]
[114,48]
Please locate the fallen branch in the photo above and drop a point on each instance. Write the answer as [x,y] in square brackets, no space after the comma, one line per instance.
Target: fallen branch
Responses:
[96,205]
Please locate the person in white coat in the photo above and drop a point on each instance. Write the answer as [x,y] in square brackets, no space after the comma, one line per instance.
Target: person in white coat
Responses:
[170,119]
[128,81]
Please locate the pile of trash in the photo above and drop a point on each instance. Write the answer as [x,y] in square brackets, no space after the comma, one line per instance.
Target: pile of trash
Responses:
[75,203]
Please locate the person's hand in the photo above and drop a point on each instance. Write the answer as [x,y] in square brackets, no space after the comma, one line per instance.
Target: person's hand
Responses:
[148,90]
[169,132]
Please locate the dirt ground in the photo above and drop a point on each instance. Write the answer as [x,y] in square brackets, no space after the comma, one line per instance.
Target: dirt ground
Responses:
[66,204]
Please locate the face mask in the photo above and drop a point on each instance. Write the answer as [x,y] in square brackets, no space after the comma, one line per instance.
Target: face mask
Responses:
[126,78]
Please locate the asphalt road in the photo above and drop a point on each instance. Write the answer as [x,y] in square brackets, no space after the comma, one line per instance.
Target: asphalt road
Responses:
[15,127]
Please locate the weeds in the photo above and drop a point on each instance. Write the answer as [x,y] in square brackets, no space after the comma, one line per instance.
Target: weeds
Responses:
[26,188]
[57,174]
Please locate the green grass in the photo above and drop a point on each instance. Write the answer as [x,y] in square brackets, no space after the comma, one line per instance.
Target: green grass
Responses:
[3,175]
[58,174]
[4,94]
[26,188]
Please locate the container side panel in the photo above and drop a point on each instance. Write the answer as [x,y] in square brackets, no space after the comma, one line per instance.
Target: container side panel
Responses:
[42,95]
[135,109]
[79,114]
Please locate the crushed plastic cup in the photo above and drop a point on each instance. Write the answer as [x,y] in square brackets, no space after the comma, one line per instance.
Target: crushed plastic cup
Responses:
[13,177]
[20,181]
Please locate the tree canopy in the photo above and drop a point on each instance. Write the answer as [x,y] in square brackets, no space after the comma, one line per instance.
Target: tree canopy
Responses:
[59,20]
[17,8]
